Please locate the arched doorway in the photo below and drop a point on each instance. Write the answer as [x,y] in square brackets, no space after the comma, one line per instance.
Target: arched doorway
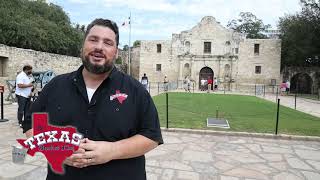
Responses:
[301,83]
[206,73]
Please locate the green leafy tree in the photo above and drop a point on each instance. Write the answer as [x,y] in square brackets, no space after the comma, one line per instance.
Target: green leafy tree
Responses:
[136,43]
[300,34]
[125,47]
[39,26]
[119,60]
[249,24]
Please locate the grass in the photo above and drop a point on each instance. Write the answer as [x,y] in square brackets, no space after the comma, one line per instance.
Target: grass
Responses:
[244,113]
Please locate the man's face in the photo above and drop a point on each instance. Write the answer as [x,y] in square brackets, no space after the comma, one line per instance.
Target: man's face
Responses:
[99,50]
[28,72]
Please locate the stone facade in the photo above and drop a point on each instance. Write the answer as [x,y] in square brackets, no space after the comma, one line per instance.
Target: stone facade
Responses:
[209,49]
[304,80]
[13,59]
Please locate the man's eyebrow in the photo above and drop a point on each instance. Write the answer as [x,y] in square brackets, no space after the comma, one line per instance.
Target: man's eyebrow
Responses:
[93,36]
[97,37]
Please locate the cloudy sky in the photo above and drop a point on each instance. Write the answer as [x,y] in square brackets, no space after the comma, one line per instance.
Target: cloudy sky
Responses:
[158,19]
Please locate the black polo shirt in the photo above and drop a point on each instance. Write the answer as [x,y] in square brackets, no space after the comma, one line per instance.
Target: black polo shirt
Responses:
[120,108]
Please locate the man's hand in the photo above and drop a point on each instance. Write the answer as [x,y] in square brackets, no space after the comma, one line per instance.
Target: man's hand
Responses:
[76,159]
[100,152]
[97,152]
[29,133]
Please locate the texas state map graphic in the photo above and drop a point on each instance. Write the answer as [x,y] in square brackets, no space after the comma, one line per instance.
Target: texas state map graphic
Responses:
[56,143]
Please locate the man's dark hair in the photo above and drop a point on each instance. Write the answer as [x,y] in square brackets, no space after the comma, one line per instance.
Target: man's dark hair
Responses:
[26,67]
[106,23]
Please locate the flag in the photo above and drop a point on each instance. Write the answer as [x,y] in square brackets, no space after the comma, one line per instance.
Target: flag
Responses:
[125,23]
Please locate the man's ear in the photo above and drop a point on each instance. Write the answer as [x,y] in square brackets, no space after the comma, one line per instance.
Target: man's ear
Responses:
[117,53]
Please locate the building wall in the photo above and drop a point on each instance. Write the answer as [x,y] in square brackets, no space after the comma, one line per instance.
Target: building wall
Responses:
[149,58]
[269,59]
[135,62]
[40,61]
[16,58]
[187,47]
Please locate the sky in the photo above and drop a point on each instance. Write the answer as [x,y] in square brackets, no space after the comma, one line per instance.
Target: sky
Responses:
[158,19]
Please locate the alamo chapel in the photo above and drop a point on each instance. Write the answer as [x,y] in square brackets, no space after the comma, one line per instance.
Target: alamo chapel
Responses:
[209,50]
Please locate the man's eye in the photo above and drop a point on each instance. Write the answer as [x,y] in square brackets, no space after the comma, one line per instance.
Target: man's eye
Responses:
[93,39]
[109,43]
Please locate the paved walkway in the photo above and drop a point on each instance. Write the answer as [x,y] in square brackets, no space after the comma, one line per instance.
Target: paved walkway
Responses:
[187,156]
[305,105]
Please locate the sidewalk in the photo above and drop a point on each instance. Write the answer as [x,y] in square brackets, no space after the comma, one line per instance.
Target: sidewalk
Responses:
[305,105]
[187,156]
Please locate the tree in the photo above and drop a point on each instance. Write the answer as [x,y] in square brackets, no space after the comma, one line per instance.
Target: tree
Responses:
[136,43]
[249,24]
[300,34]
[126,47]
[39,26]
[119,60]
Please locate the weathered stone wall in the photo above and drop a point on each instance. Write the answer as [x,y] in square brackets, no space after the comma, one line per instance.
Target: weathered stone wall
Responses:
[269,59]
[135,62]
[124,56]
[208,30]
[288,73]
[15,58]
[149,58]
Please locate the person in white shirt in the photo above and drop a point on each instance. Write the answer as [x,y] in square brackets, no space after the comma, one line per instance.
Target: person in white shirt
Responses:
[23,91]
[144,81]
[288,86]
[203,84]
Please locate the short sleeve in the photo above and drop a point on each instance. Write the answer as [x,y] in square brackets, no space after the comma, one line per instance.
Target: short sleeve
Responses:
[149,125]
[19,79]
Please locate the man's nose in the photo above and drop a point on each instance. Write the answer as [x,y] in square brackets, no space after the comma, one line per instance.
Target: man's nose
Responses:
[99,45]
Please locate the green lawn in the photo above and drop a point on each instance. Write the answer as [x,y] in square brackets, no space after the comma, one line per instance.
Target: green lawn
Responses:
[244,113]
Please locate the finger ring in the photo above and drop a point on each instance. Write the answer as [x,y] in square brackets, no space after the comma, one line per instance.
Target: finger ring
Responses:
[89,159]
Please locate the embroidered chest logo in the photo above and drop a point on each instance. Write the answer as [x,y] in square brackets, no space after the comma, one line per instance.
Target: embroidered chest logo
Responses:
[120,96]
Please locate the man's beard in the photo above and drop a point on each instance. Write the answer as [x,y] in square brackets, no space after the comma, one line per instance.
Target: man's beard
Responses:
[94,68]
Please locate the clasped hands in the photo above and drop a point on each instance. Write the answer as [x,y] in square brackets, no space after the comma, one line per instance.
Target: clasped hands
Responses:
[91,153]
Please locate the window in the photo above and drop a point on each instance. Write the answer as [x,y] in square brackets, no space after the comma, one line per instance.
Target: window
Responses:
[236,50]
[158,67]
[207,47]
[258,70]
[256,49]
[3,66]
[158,48]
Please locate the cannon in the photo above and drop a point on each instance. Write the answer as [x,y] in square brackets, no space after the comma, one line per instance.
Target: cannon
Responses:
[42,78]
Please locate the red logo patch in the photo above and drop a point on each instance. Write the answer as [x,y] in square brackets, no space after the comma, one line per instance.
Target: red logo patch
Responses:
[120,96]
[56,143]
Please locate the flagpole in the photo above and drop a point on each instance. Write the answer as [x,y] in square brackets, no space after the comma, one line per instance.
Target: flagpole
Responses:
[129,53]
